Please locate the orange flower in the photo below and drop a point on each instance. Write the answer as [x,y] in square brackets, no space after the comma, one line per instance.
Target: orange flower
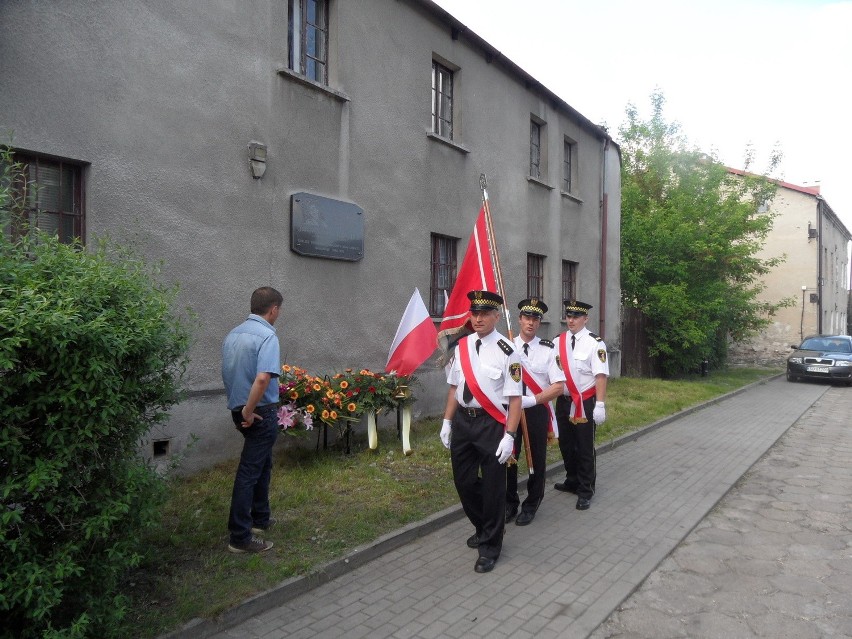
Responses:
[317,387]
[329,393]
[310,408]
[294,394]
[344,384]
[334,414]
[351,407]
[286,368]
[325,414]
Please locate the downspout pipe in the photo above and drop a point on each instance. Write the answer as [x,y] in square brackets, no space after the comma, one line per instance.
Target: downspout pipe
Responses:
[820,249]
[604,240]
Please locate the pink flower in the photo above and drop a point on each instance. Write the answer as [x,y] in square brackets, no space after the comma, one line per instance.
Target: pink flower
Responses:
[286,416]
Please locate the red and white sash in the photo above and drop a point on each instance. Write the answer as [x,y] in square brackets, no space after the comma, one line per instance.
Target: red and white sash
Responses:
[536,384]
[578,414]
[487,400]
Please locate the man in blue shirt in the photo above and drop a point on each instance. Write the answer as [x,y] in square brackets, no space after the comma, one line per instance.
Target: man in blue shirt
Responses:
[251,362]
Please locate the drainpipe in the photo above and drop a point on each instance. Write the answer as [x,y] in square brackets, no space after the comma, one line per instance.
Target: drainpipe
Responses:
[604,211]
[820,215]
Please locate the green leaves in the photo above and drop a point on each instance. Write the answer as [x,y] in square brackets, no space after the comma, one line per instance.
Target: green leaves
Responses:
[91,356]
[690,236]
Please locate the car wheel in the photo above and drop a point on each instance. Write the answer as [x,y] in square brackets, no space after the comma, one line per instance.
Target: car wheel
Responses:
[791,377]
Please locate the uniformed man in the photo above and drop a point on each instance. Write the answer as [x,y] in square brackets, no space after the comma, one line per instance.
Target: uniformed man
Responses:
[543,381]
[581,408]
[481,423]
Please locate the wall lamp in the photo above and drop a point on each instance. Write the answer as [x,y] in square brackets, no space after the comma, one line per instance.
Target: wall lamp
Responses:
[257,159]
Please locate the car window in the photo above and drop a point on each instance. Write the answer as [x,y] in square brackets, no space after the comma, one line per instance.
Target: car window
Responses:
[812,345]
[842,347]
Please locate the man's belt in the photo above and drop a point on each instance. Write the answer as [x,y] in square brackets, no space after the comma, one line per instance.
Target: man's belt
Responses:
[477,412]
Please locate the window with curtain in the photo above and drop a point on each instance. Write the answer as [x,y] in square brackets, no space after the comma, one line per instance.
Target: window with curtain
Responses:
[53,192]
[569,282]
[442,100]
[308,35]
[443,272]
[535,275]
[535,149]
[569,165]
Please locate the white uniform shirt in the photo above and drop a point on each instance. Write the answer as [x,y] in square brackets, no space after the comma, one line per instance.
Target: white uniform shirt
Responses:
[589,355]
[541,362]
[492,372]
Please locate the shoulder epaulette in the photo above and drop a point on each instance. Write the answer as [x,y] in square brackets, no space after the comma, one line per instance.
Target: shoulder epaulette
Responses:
[505,347]
[597,337]
[546,342]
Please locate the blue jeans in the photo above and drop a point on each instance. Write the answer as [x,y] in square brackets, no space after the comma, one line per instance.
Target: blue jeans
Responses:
[250,498]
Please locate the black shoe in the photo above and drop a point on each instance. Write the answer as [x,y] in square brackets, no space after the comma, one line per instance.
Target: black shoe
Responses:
[524,518]
[565,487]
[511,511]
[484,564]
[473,541]
[583,503]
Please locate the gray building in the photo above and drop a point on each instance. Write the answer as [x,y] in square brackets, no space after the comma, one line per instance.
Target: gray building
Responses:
[219,137]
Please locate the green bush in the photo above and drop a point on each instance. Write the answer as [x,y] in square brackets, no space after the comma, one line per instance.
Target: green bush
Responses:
[91,356]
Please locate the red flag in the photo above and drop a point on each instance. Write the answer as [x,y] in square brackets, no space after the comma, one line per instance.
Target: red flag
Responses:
[476,274]
[415,340]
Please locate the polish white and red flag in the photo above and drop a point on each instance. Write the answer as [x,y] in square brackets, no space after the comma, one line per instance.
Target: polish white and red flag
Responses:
[475,274]
[415,340]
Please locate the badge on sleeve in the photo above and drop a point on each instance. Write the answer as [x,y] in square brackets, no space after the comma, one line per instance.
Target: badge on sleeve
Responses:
[515,372]
[559,362]
[602,355]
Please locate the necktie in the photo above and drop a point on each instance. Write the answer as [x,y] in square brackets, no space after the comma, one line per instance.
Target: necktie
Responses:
[467,396]
[572,342]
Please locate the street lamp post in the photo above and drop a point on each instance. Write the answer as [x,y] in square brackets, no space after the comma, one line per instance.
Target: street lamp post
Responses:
[802,321]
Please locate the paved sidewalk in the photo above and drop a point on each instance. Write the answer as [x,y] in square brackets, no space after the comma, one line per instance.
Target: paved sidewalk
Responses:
[566,573]
[774,558]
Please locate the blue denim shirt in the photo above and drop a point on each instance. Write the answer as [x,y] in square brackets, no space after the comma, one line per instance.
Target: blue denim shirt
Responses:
[249,349]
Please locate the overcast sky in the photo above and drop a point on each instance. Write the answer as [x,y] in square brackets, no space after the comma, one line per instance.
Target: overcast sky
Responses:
[733,72]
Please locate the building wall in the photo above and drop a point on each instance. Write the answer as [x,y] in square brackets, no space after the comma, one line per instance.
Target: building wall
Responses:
[804,229]
[161,100]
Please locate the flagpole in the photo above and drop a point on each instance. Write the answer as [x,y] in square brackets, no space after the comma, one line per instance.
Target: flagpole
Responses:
[498,274]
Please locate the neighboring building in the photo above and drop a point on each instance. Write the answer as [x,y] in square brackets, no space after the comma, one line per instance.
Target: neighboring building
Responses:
[301,145]
[815,273]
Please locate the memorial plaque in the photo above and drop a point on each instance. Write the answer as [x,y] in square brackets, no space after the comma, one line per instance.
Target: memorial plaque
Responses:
[323,227]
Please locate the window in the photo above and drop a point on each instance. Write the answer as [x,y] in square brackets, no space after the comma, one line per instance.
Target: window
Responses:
[53,195]
[535,275]
[569,165]
[569,282]
[535,149]
[308,34]
[442,101]
[443,272]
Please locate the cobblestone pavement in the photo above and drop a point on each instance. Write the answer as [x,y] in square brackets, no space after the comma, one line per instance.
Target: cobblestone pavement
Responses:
[774,558]
[565,574]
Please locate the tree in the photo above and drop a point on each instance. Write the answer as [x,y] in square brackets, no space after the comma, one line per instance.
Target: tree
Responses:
[690,234]
[91,356]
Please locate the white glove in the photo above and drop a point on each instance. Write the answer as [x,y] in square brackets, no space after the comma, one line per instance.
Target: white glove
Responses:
[527,402]
[599,414]
[446,428]
[506,448]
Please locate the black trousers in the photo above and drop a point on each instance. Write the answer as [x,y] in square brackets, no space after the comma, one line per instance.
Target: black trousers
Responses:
[577,445]
[538,418]
[479,478]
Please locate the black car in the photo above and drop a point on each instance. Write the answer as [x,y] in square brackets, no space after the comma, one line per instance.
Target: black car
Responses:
[822,357]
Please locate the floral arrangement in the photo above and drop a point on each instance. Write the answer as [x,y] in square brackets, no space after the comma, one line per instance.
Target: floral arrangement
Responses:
[339,399]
